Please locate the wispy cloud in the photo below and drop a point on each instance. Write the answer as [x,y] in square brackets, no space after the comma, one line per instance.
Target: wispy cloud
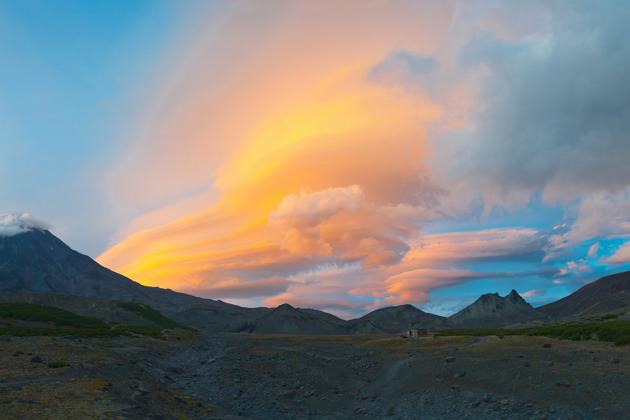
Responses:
[315,174]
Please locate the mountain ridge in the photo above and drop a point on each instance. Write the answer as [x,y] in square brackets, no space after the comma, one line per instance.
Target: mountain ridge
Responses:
[613,289]
[493,311]
[37,262]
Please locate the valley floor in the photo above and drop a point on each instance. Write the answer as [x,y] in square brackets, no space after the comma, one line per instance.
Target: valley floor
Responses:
[320,377]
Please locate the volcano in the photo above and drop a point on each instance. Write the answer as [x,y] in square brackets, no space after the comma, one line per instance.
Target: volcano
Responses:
[36,262]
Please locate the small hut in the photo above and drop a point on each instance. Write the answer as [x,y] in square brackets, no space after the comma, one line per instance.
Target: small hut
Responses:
[416,332]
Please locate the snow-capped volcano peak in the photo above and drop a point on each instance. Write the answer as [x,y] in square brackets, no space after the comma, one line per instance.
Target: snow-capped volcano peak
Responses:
[15,223]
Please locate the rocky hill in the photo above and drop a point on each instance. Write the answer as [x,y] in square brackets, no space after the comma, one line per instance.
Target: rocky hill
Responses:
[493,311]
[285,319]
[392,320]
[604,295]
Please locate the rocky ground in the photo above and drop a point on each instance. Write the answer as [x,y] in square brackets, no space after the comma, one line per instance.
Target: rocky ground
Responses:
[73,378]
[319,377]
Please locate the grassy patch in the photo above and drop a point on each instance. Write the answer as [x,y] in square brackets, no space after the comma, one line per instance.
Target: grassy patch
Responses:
[617,332]
[57,365]
[64,323]
[39,313]
[155,332]
[109,332]
[151,314]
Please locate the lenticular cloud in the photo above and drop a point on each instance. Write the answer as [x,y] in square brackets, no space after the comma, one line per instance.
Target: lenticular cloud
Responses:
[13,224]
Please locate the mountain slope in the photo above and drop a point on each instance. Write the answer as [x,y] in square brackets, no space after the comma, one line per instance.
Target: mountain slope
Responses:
[38,262]
[103,310]
[603,295]
[285,319]
[392,320]
[493,311]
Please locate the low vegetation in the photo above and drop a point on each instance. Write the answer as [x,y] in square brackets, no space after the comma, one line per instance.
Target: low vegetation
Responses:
[110,331]
[57,365]
[39,313]
[617,332]
[64,323]
[152,315]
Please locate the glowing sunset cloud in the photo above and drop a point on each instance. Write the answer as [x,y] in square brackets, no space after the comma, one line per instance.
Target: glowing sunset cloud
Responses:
[350,155]
[331,174]
[343,155]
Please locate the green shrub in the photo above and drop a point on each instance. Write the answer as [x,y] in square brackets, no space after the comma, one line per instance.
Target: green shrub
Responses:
[64,323]
[151,314]
[56,365]
[155,332]
[617,332]
[40,313]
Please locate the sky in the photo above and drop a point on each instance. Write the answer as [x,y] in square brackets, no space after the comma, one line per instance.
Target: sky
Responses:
[343,156]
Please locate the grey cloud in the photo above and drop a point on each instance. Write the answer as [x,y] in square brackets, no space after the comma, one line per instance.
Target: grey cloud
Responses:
[402,67]
[554,114]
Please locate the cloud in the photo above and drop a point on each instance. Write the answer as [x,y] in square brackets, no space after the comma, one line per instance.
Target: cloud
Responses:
[15,223]
[599,215]
[316,166]
[535,292]
[296,222]
[461,248]
[575,267]
[621,255]
[551,111]
[550,101]
[311,302]
[415,286]
[400,66]
[279,150]
[336,223]
[240,289]
[238,77]
[593,250]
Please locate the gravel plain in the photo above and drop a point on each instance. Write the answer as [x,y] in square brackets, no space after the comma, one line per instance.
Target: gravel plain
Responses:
[234,376]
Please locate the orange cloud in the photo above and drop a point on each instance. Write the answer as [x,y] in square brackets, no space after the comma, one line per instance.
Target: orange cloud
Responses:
[275,164]
[291,161]
[440,250]
[415,286]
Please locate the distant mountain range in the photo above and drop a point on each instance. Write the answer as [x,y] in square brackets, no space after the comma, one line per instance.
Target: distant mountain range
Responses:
[492,311]
[392,320]
[38,263]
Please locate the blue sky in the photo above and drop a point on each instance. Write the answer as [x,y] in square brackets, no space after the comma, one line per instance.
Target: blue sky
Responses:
[73,77]
[337,156]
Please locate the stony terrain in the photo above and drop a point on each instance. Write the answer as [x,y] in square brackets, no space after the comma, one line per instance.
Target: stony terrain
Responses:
[376,377]
[271,376]
[73,378]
